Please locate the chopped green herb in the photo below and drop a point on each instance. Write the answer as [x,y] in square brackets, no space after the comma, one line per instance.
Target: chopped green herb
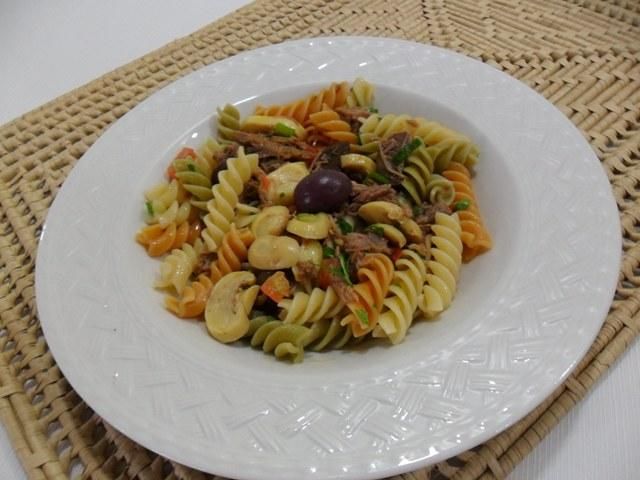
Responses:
[462,205]
[373,110]
[403,154]
[345,227]
[376,229]
[283,130]
[379,177]
[344,267]
[328,252]
[149,208]
[191,167]
[417,210]
[281,195]
[359,138]
[363,316]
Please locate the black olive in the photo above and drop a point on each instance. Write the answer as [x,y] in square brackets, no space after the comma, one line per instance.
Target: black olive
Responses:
[322,191]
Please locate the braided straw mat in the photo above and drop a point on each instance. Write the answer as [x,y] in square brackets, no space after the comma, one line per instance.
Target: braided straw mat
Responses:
[582,55]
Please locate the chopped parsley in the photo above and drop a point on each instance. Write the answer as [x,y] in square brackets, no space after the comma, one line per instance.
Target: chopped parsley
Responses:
[462,205]
[359,138]
[376,229]
[417,210]
[373,110]
[283,130]
[403,154]
[328,252]
[149,208]
[345,227]
[379,177]
[344,268]
[191,167]
[363,316]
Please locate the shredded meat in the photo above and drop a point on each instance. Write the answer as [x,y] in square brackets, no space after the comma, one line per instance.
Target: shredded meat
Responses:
[203,265]
[271,164]
[329,157]
[362,194]
[343,290]
[428,215]
[305,272]
[387,149]
[251,192]
[365,243]
[283,148]
[352,116]
[222,156]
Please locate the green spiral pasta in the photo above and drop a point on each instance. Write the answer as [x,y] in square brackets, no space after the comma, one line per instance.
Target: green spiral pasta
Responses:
[361,94]
[444,266]
[226,193]
[228,121]
[285,341]
[194,172]
[445,145]
[440,190]
[306,308]
[418,170]
[400,304]
[178,266]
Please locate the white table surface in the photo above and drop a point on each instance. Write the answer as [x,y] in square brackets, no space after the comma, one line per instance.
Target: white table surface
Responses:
[48,48]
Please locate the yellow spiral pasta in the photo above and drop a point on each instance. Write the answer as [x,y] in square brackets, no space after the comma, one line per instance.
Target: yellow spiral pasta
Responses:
[221,208]
[232,252]
[228,121]
[400,304]
[178,266]
[444,266]
[245,215]
[193,300]
[332,97]
[166,203]
[382,126]
[475,236]
[329,123]
[306,308]
[361,93]
[374,277]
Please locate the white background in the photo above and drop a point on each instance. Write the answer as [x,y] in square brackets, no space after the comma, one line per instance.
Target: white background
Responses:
[48,48]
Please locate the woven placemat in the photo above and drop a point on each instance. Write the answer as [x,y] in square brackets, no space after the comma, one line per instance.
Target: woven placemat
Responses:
[581,55]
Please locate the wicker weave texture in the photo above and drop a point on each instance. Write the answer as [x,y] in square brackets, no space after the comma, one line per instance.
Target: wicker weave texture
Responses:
[584,56]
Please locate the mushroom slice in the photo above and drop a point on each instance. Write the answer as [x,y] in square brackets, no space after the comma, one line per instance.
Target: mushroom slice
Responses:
[228,307]
[381,212]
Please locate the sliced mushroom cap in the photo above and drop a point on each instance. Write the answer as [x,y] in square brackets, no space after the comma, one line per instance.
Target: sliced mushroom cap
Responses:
[270,252]
[270,221]
[381,212]
[228,307]
[312,226]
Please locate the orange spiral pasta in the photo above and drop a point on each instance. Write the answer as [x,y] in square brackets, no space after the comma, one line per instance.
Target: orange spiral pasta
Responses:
[232,252]
[329,123]
[193,299]
[475,237]
[333,96]
[160,239]
[374,275]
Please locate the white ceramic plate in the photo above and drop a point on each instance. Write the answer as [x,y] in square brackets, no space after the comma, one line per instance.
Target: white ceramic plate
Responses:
[524,315]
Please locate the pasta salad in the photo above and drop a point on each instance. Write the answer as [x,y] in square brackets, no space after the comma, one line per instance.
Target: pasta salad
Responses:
[315,224]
